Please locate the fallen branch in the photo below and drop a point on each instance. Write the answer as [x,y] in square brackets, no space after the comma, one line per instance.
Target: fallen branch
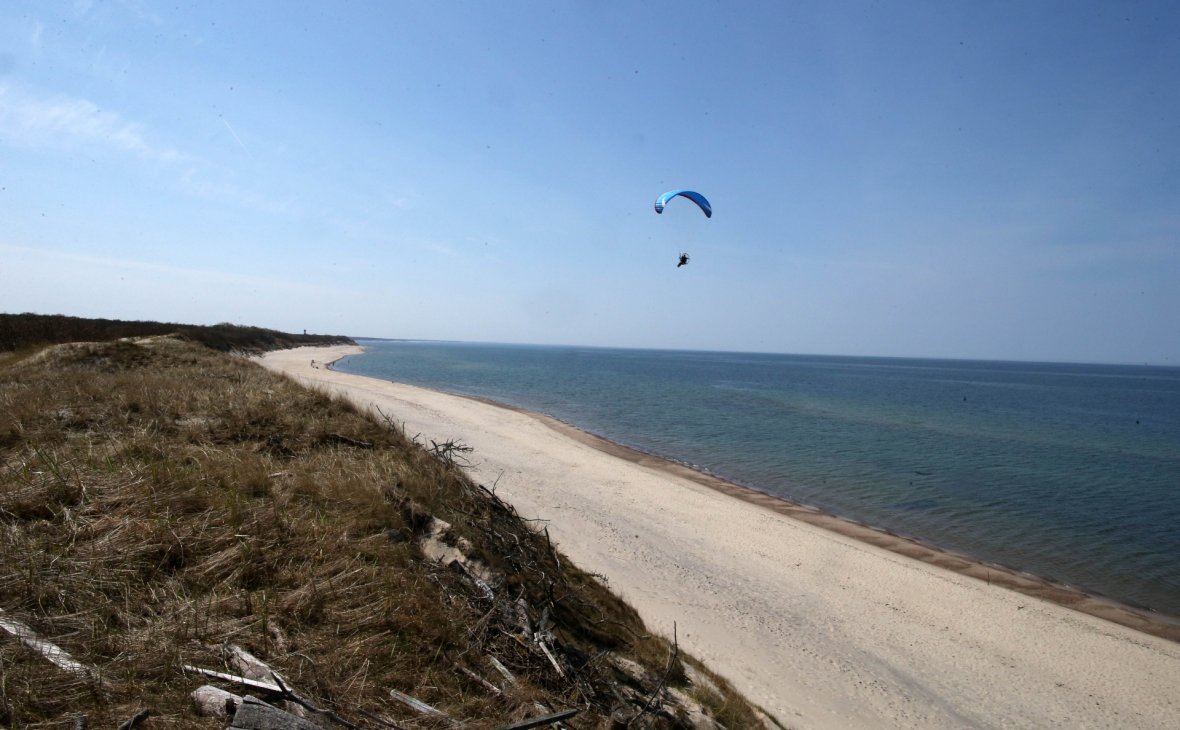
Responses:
[503,670]
[549,655]
[522,618]
[52,652]
[552,549]
[289,694]
[672,661]
[251,683]
[277,688]
[421,707]
[541,721]
[451,451]
[342,439]
[248,665]
[479,680]
[380,720]
[480,583]
[136,719]
[393,425]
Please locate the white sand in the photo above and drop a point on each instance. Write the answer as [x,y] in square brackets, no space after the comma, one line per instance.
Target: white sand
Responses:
[822,630]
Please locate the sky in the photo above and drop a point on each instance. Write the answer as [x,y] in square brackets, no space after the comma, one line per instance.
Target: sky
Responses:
[988,180]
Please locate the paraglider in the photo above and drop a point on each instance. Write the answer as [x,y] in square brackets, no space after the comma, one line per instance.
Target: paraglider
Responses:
[695,197]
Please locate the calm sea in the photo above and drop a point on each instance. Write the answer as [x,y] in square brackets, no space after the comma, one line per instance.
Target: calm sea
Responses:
[1065,471]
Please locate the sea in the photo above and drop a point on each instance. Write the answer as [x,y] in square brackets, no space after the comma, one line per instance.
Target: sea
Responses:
[1065,471]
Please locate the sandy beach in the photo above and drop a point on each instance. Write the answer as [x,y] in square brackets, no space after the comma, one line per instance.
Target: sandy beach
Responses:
[824,623]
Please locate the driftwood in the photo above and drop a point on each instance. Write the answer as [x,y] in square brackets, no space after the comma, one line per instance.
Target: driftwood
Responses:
[451,452]
[503,670]
[421,707]
[342,439]
[522,618]
[541,721]
[247,665]
[52,652]
[673,661]
[254,714]
[251,667]
[539,634]
[383,721]
[480,583]
[251,683]
[553,550]
[540,642]
[278,688]
[479,680]
[212,701]
[290,695]
[135,719]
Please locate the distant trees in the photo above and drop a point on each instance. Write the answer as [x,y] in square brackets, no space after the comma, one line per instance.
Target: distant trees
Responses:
[26,330]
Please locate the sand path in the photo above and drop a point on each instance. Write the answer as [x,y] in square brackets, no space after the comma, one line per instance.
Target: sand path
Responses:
[823,630]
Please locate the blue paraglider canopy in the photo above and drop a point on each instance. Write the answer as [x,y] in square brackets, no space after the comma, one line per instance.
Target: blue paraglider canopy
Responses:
[694,197]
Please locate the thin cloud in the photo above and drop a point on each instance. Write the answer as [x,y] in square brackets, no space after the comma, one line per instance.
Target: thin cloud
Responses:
[61,121]
[196,182]
[443,249]
[26,258]
[237,138]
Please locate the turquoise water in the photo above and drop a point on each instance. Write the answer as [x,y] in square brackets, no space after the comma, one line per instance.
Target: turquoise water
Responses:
[1065,471]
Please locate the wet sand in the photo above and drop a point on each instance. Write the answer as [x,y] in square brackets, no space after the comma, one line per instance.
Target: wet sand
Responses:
[825,622]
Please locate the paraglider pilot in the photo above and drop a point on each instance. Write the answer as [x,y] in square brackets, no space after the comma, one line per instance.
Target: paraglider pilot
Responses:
[695,197]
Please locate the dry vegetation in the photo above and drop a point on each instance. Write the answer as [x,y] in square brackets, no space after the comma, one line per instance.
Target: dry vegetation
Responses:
[160,501]
[22,331]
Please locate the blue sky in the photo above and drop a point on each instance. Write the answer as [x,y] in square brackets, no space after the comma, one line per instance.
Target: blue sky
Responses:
[975,179]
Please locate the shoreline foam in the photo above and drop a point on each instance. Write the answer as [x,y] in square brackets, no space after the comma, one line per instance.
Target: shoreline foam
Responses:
[877,680]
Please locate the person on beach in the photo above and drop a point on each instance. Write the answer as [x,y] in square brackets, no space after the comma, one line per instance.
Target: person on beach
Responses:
[683,260]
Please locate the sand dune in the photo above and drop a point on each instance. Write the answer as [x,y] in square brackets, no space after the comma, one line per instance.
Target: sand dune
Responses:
[821,628]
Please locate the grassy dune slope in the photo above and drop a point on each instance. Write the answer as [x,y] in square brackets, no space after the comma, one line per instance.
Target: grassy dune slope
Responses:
[159,500]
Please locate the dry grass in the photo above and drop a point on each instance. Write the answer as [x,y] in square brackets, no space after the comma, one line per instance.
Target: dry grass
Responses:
[159,500]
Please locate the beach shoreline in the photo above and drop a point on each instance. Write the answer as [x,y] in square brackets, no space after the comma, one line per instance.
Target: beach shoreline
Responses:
[1046,588]
[1013,578]
[893,684]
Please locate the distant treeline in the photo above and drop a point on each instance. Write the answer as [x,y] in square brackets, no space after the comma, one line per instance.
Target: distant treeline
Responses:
[28,330]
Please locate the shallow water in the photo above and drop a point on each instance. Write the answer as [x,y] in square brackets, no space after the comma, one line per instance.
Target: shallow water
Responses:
[1062,470]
